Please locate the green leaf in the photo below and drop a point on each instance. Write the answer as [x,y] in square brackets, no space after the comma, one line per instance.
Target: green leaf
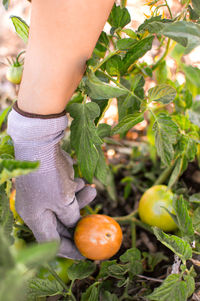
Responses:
[37,254]
[179,246]
[192,75]
[22,29]
[12,168]
[161,73]
[184,32]
[107,296]
[91,294]
[126,43]
[104,271]
[162,93]
[118,270]
[173,288]
[114,65]
[6,146]
[81,270]
[166,132]
[6,259]
[177,171]
[6,3]
[6,216]
[133,257]
[119,17]
[153,24]
[136,52]
[101,171]
[103,130]
[195,198]
[129,103]
[4,114]
[196,6]
[127,123]
[97,89]
[44,287]
[84,137]
[130,33]
[184,220]
[196,219]
[153,259]
[190,284]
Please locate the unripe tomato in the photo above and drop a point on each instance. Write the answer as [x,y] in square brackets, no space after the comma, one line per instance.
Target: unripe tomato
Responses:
[14,74]
[98,236]
[12,207]
[151,209]
[60,266]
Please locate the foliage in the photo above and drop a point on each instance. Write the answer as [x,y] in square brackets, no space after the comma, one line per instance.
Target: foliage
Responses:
[115,70]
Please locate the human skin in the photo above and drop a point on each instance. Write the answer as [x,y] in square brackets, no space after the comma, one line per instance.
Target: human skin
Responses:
[62,37]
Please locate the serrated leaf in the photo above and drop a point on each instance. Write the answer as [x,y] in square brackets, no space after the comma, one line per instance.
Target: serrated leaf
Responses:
[84,137]
[133,257]
[153,24]
[114,65]
[118,270]
[104,130]
[153,259]
[190,284]
[37,254]
[119,17]
[166,131]
[81,270]
[179,246]
[183,218]
[184,32]
[6,216]
[196,219]
[162,93]
[6,146]
[173,288]
[97,89]
[104,271]
[136,52]
[13,168]
[44,287]
[126,43]
[22,29]
[127,123]
[91,293]
[130,33]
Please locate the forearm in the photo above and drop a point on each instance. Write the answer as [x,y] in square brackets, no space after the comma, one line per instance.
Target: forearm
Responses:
[62,37]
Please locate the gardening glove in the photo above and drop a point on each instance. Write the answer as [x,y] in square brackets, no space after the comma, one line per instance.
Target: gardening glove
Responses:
[48,199]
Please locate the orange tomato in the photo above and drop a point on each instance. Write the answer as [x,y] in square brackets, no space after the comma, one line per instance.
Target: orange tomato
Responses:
[98,236]
[151,208]
[12,207]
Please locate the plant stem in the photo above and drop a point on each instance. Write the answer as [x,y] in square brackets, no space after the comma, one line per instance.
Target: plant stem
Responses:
[133,234]
[170,12]
[105,59]
[163,56]
[55,275]
[127,219]
[164,175]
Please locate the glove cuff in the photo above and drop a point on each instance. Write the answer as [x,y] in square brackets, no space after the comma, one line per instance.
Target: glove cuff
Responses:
[33,115]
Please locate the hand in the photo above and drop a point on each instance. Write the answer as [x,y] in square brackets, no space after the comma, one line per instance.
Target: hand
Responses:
[49,199]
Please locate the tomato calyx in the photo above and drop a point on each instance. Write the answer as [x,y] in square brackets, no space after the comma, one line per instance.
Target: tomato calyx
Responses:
[15,69]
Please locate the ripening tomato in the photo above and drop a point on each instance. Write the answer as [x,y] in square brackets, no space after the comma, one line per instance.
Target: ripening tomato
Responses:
[14,74]
[12,207]
[98,236]
[60,266]
[151,209]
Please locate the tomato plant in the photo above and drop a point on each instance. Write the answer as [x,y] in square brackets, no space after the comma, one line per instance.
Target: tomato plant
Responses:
[153,205]
[98,236]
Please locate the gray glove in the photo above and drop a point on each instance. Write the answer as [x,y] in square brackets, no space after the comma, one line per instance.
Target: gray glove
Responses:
[49,199]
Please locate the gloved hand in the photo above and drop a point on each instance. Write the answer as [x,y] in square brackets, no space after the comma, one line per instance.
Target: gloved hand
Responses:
[49,199]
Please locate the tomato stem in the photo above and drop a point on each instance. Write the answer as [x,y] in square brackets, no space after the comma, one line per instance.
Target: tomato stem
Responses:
[164,175]
[133,234]
[55,275]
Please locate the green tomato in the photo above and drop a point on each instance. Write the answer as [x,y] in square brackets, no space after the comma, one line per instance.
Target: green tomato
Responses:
[151,208]
[60,266]
[14,74]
